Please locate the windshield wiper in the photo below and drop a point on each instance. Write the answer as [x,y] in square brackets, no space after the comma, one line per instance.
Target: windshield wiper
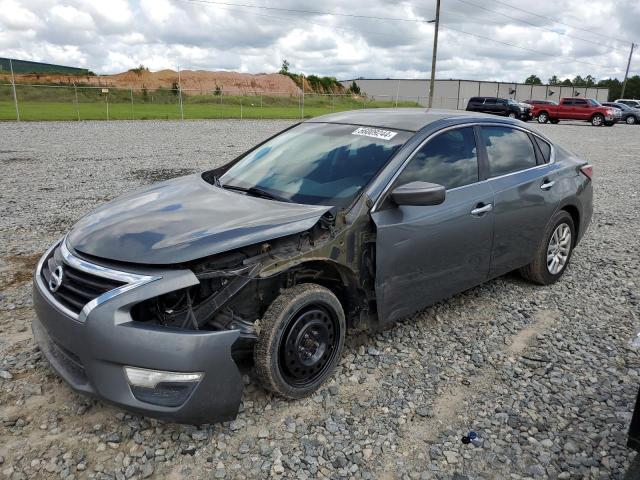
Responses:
[256,192]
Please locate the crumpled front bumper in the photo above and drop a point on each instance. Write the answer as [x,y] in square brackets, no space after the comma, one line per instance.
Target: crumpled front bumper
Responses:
[90,354]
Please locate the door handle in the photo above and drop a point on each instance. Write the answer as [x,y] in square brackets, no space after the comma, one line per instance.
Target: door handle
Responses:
[547,185]
[480,209]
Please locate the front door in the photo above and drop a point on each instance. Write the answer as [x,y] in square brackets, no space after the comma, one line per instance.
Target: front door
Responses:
[581,109]
[426,253]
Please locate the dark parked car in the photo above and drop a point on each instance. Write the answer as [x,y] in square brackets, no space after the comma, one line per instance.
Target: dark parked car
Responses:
[628,115]
[499,106]
[156,300]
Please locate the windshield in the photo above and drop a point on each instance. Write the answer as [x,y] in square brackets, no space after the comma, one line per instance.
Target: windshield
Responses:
[512,102]
[593,102]
[316,163]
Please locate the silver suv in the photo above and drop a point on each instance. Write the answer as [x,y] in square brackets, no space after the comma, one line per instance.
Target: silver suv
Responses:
[629,102]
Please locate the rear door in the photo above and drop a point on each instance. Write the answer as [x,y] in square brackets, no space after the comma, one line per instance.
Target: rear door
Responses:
[426,253]
[525,198]
[490,106]
[566,110]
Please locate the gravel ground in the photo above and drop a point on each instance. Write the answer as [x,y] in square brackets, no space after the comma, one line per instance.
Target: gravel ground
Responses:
[545,375]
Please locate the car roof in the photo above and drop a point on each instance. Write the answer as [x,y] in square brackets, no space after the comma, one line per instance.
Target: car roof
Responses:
[410,119]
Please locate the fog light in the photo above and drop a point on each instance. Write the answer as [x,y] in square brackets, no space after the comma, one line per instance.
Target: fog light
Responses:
[167,389]
[142,377]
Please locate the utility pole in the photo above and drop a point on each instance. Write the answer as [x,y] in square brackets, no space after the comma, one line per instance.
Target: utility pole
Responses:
[302,109]
[15,97]
[626,74]
[435,53]
[180,94]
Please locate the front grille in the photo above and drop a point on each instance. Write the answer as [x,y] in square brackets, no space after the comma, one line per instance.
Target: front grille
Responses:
[78,287]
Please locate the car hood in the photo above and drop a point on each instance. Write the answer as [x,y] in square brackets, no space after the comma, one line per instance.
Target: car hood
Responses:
[185,219]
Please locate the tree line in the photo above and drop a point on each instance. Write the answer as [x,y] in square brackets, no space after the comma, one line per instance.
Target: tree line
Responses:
[613,84]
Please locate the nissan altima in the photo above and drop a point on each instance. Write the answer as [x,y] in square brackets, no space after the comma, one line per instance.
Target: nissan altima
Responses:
[158,300]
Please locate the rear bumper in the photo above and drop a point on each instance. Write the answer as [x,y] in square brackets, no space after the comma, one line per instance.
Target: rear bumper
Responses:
[585,198]
[90,355]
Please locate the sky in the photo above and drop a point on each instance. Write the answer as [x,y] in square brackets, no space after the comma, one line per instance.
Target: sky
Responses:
[111,36]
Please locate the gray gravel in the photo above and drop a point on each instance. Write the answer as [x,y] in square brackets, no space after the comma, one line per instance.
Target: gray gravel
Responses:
[545,375]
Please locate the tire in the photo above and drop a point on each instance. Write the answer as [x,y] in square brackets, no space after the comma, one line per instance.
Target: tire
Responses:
[539,271]
[597,120]
[512,115]
[555,121]
[300,341]
[631,120]
[543,117]
[609,124]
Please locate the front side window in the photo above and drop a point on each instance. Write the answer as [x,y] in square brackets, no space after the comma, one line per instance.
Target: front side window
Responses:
[316,163]
[567,102]
[508,150]
[449,159]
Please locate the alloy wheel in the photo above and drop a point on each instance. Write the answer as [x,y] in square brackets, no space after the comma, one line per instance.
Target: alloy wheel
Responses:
[558,249]
[631,120]
[596,121]
[542,118]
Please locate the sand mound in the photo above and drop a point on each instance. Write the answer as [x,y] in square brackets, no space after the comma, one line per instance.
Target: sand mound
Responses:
[194,82]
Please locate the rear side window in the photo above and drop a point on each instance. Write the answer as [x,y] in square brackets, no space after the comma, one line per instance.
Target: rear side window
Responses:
[490,101]
[449,159]
[508,150]
[545,149]
[567,102]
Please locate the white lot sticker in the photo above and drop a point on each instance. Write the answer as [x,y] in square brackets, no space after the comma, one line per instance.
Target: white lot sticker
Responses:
[375,133]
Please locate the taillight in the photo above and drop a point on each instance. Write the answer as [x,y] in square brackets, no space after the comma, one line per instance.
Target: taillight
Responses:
[587,170]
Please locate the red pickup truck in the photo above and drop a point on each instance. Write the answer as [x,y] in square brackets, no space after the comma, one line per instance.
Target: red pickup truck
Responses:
[576,109]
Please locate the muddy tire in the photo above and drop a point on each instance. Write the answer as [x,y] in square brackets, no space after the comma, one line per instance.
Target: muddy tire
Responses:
[553,254]
[300,341]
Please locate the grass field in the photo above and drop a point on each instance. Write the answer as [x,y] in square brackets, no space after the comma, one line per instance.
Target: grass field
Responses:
[194,108]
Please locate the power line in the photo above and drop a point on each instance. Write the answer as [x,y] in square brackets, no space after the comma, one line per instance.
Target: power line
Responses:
[526,48]
[542,27]
[559,22]
[309,12]
[229,5]
[288,19]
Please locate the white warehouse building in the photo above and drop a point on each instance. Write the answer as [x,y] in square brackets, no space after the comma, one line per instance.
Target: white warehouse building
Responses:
[454,94]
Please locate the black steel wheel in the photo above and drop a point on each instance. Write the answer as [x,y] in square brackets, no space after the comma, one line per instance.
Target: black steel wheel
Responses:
[300,340]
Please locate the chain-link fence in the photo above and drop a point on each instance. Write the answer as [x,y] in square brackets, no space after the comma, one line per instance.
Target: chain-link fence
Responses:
[80,102]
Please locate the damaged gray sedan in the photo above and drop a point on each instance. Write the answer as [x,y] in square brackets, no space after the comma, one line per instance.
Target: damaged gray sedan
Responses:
[158,300]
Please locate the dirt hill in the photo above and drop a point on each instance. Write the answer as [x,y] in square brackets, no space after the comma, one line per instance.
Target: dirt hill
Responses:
[193,82]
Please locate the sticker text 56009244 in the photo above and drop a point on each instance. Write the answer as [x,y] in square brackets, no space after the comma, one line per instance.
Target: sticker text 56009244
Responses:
[375,133]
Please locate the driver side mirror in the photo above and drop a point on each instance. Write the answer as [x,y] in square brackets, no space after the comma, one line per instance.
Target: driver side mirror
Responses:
[418,194]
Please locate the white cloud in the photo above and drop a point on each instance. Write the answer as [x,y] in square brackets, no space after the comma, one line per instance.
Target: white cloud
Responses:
[108,36]
[16,17]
